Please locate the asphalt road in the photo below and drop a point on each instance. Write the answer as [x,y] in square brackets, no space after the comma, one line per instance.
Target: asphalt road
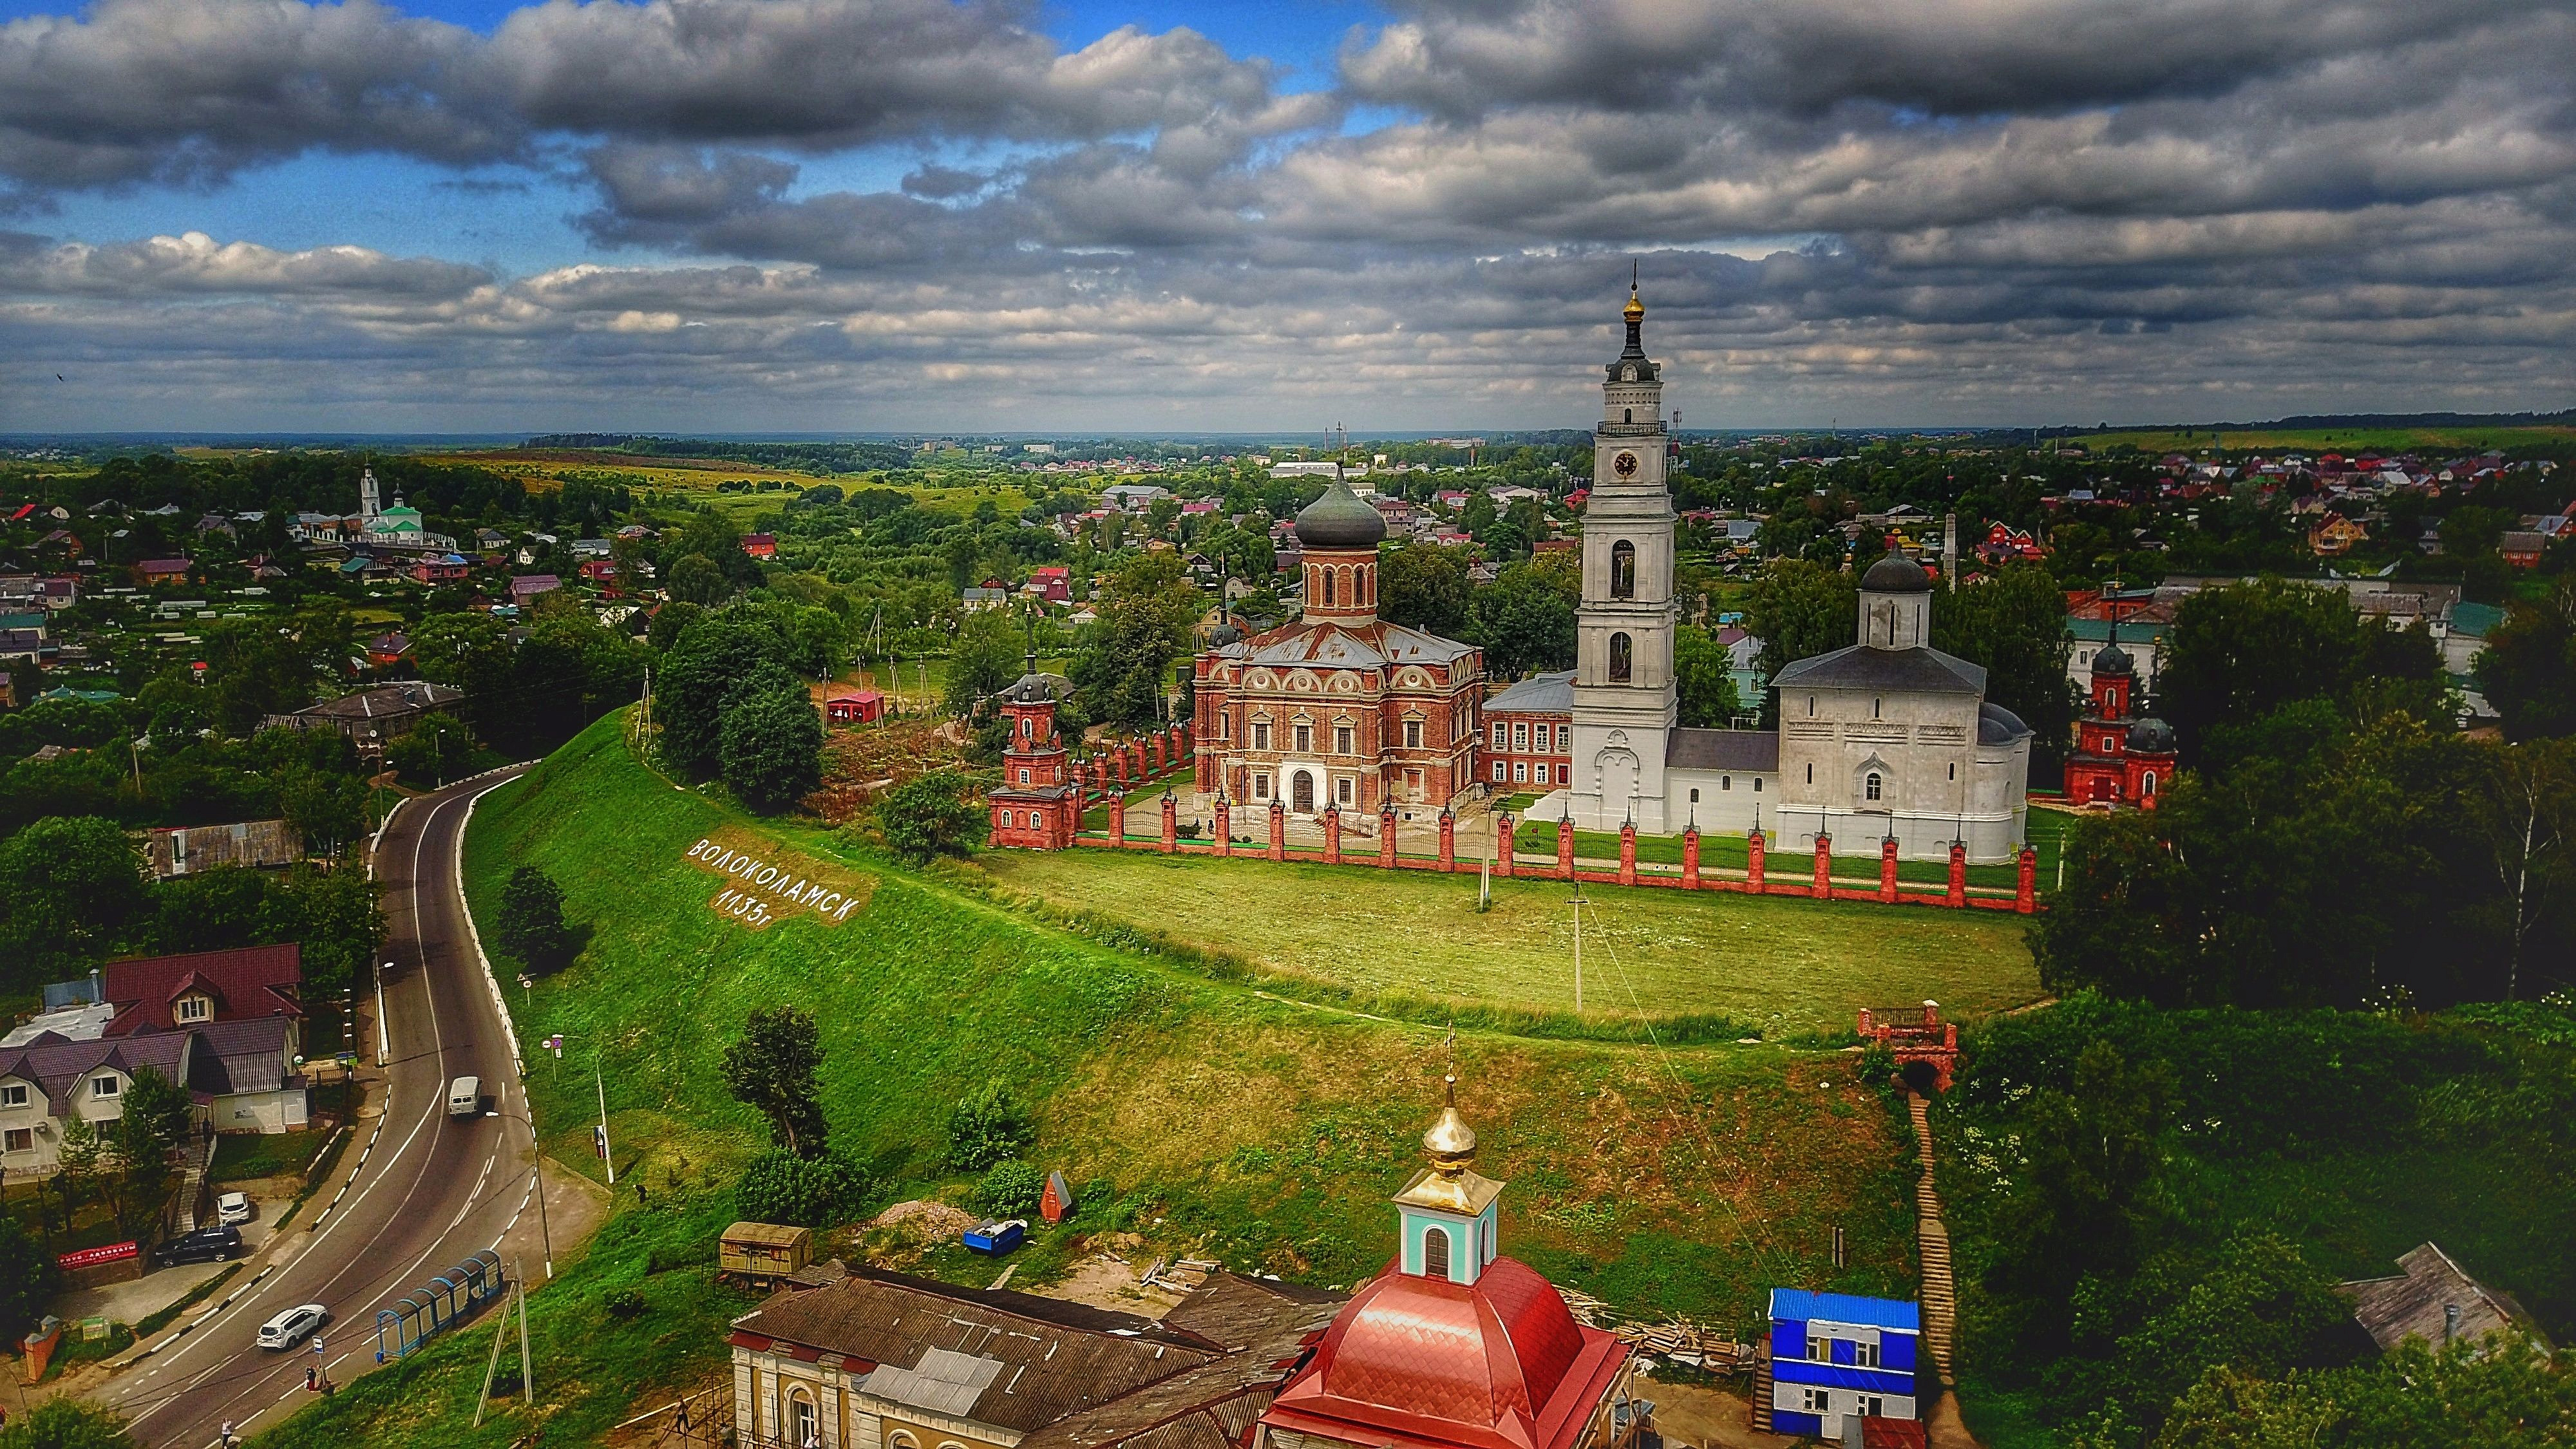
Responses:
[431,1191]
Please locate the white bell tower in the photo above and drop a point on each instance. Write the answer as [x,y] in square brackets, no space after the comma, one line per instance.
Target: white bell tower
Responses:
[1624,697]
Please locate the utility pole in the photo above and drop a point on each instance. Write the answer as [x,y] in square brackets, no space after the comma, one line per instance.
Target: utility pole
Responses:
[1578,903]
[384,1038]
[527,1355]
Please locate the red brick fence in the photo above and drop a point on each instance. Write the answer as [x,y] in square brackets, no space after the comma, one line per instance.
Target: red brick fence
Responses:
[1814,884]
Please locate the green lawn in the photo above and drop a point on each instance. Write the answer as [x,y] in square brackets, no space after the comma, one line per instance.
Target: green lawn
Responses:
[1197,1111]
[240,1157]
[1782,965]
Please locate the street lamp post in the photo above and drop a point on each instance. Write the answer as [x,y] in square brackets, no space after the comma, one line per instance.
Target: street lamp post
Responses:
[536,1167]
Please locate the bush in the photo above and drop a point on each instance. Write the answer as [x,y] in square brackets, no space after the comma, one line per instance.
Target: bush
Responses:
[1010,1190]
[624,1303]
[930,816]
[816,1192]
[987,1127]
[66,1424]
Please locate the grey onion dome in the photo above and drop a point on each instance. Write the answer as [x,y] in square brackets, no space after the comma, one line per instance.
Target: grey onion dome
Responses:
[1340,519]
[1224,634]
[2113,660]
[1896,574]
[2151,736]
[1997,725]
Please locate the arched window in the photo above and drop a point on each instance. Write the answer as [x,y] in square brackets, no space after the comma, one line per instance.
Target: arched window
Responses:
[1620,650]
[1328,587]
[1870,786]
[1627,415]
[1623,570]
[1435,1252]
[2147,783]
[1028,727]
[801,1427]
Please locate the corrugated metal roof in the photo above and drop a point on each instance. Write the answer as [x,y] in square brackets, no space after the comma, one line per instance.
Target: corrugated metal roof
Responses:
[1538,694]
[1798,1305]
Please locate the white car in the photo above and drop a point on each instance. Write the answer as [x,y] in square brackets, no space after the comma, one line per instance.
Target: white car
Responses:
[232,1208]
[291,1327]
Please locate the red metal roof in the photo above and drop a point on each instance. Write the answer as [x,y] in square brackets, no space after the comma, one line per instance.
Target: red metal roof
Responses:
[1499,1365]
[250,981]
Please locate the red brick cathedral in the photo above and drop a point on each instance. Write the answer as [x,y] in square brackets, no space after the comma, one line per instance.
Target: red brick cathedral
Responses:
[2118,760]
[1339,709]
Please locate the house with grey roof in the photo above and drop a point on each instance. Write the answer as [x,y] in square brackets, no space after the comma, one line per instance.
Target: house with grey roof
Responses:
[2433,1298]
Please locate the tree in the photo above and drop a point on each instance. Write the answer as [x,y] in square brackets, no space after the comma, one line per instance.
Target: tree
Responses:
[1124,664]
[66,1423]
[698,677]
[157,1113]
[28,1279]
[532,920]
[1798,610]
[70,891]
[443,645]
[83,1158]
[987,1126]
[2528,668]
[770,741]
[695,579]
[2084,1195]
[1424,587]
[2524,810]
[2015,625]
[815,1192]
[435,751]
[1524,619]
[772,1067]
[2237,653]
[929,816]
[985,659]
[338,915]
[1703,677]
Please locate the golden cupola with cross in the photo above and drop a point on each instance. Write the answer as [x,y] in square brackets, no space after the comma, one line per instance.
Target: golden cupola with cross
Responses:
[1447,1213]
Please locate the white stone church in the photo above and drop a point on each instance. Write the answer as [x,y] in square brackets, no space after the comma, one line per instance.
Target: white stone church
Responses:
[1888,736]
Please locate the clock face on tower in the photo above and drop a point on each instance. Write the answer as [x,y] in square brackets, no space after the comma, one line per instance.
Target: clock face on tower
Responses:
[1625,465]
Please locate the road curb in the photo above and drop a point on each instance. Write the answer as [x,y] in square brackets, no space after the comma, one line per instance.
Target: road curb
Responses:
[473,933]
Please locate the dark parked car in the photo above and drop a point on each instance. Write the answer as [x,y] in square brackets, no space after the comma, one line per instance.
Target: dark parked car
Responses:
[205,1245]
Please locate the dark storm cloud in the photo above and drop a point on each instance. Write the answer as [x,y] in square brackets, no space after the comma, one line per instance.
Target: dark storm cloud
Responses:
[1947,209]
[191,91]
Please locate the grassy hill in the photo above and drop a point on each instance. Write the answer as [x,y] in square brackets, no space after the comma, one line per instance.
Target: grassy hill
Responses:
[1195,1111]
[1782,967]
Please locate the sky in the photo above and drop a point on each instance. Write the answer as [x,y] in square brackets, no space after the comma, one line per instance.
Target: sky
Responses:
[918,215]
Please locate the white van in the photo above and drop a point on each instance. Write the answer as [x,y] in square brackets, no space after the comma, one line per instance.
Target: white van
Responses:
[465,1097]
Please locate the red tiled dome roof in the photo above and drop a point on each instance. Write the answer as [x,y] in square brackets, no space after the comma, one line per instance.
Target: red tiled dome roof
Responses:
[1435,1360]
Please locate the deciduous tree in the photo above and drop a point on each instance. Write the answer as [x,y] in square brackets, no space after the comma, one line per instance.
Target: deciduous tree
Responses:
[772,1067]
[770,741]
[929,815]
[532,926]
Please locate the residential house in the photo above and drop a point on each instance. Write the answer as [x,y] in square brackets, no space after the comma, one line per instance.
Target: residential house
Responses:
[169,993]
[585,548]
[2434,1299]
[172,851]
[388,649]
[2522,547]
[160,573]
[2337,536]
[760,545]
[442,568]
[990,595]
[1836,1358]
[528,588]
[1133,497]
[240,1075]
[373,716]
[858,1358]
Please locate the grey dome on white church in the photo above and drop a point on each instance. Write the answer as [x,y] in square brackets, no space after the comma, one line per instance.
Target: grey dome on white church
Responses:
[1885,738]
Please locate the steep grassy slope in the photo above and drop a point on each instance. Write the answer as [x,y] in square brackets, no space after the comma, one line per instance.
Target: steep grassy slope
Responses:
[1197,1112]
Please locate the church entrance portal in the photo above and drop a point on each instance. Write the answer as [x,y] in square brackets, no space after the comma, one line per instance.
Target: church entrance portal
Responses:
[1302,796]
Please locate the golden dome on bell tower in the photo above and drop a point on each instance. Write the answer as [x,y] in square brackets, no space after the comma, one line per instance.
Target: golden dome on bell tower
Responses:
[1449,1140]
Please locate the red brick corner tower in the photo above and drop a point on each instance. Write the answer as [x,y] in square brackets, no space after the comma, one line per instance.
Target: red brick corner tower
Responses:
[1037,806]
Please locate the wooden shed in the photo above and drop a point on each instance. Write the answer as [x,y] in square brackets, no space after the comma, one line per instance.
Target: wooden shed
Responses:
[764,1252]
